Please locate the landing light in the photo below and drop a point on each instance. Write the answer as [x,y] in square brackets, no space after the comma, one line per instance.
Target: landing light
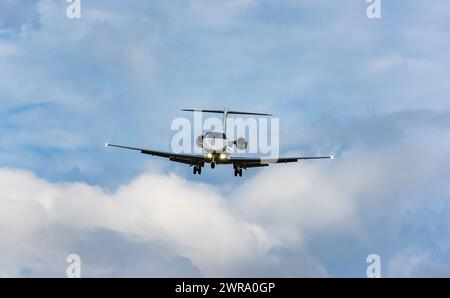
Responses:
[332,156]
[209,155]
[222,156]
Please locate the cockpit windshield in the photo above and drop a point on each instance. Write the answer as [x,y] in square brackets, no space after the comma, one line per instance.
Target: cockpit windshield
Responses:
[215,135]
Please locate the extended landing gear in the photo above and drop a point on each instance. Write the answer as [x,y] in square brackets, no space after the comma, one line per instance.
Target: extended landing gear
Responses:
[237,171]
[197,170]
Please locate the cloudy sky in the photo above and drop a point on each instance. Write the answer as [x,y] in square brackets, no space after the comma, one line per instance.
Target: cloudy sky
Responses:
[373,92]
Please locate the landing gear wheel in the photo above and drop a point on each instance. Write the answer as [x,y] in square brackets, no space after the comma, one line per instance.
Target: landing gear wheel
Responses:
[197,170]
[240,172]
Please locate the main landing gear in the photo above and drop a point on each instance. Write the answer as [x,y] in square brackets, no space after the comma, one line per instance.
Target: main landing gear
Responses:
[237,171]
[197,170]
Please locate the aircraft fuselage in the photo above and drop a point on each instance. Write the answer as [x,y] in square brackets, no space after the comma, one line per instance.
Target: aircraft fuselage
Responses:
[215,142]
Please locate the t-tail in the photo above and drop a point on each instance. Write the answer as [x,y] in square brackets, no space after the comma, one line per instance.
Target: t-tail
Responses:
[225,113]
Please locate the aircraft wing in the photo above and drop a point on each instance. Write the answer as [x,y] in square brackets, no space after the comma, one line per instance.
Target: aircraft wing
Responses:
[190,159]
[264,162]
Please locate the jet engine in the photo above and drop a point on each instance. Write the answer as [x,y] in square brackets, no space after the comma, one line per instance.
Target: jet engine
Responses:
[199,141]
[241,143]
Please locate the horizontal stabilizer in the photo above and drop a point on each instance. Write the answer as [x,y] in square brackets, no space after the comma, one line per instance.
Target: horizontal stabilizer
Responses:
[227,112]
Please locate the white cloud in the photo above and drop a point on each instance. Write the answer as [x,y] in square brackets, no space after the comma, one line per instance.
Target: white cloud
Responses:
[188,219]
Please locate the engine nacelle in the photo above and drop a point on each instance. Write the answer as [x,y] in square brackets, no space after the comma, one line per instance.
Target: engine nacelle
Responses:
[199,141]
[241,143]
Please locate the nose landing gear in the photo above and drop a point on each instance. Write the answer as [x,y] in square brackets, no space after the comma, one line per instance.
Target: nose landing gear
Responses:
[237,171]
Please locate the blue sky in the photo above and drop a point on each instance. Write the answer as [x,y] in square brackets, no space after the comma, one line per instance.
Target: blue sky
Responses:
[373,92]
